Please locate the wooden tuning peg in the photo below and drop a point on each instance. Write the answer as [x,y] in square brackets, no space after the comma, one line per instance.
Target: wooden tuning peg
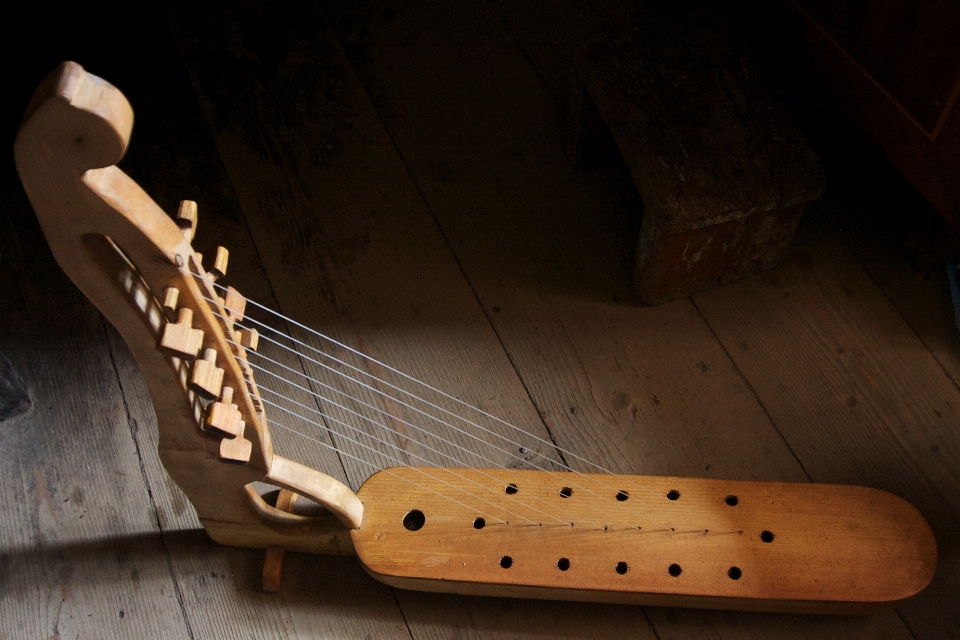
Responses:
[219,268]
[206,377]
[235,304]
[170,297]
[180,337]
[248,338]
[223,417]
[236,450]
[274,557]
[187,219]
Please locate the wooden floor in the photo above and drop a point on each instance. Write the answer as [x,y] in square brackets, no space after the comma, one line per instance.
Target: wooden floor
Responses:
[393,175]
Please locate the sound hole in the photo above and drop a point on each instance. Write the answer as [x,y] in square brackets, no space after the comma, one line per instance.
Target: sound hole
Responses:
[674,570]
[414,520]
[767,536]
[506,562]
[479,523]
[563,564]
[734,573]
[511,488]
[731,500]
[622,495]
[622,568]
[673,494]
[566,492]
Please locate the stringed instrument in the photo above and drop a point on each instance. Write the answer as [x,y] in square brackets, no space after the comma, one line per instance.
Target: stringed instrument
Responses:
[506,532]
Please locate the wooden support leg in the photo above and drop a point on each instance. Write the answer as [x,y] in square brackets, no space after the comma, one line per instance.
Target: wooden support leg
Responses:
[273,560]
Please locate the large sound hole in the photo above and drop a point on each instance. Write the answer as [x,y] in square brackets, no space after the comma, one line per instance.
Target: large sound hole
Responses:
[414,520]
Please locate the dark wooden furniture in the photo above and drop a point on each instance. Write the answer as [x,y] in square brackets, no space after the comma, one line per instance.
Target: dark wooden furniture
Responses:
[893,67]
[723,170]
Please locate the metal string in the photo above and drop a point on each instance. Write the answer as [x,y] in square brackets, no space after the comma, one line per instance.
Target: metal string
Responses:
[385,413]
[418,398]
[395,475]
[412,379]
[389,444]
[405,392]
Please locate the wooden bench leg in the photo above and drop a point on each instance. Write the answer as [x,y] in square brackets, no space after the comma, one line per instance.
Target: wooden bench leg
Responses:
[723,170]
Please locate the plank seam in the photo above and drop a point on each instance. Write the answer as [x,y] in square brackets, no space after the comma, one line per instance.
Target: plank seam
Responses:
[525,54]
[403,616]
[839,232]
[756,395]
[906,624]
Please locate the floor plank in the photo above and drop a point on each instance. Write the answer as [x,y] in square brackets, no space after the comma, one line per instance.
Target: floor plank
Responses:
[549,252]
[80,551]
[852,388]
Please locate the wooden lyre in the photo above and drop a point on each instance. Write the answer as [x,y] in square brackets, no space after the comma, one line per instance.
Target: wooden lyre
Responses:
[634,539]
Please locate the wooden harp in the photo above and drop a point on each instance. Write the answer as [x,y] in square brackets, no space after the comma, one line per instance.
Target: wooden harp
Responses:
[625,539]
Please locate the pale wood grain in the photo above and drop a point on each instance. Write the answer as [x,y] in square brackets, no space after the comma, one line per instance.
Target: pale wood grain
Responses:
[668,541]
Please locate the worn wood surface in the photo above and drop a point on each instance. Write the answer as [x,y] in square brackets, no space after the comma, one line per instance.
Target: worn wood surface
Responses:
[653,540]
[439,116]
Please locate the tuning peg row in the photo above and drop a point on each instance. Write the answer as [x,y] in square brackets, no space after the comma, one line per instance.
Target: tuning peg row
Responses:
[180,337]
[223,416]
[236,450]
[206,378]
[171,295]
[187,219]
[220,261]
[235,305]
[248,339]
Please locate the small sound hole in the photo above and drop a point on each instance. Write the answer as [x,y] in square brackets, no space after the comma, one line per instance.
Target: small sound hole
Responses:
[731,500]
[622,495]
[767,536]
[622,568]
[734,573]
[674,570]
[479,523]
[414,520]
[511,488]
[506,562]
[673,495]
[566,492]
[563,564]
